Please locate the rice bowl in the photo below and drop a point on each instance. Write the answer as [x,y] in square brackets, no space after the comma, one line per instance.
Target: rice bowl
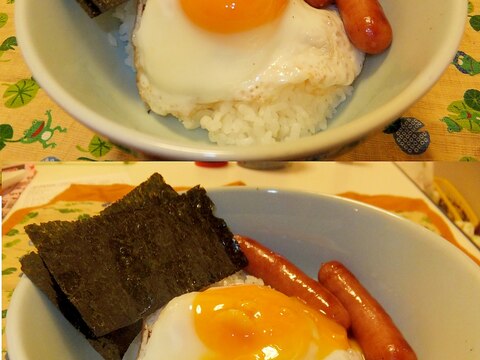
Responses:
[341,229]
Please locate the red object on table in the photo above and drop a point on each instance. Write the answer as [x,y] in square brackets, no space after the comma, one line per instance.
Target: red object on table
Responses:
[211,164]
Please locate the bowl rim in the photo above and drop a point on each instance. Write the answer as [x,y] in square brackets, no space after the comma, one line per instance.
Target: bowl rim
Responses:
[315,145]
[13,326]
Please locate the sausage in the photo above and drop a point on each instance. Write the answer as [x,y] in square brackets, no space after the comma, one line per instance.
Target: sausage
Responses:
[282,275]
[319,4]
[372,327]
[366,25]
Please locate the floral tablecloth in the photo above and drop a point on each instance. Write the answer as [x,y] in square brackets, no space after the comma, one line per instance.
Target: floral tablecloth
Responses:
[443,125]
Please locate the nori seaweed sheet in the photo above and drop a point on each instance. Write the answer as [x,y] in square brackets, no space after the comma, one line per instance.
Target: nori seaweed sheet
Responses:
[96,7]
[118,267]
[152,191]
[111,346]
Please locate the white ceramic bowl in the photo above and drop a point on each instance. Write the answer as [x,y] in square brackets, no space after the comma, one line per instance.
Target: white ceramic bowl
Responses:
[70,56]
[428,286]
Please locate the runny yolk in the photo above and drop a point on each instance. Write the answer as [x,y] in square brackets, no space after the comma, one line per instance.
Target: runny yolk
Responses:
[257,322]
[231,16]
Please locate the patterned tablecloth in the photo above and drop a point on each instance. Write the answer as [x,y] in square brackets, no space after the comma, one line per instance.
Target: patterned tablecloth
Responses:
[443,125]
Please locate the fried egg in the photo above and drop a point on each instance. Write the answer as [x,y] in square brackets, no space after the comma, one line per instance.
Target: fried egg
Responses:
[192,55]
[243,322]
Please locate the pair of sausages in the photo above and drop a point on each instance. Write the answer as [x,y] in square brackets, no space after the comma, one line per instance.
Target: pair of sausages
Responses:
[365,23]
[337,294]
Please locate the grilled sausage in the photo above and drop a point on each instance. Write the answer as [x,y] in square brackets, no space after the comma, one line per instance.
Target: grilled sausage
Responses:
[372,327]
[366,25]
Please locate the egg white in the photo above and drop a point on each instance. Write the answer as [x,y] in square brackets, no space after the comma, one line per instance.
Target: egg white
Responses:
[181,67]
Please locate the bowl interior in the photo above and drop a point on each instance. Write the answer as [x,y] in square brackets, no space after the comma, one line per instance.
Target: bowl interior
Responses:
[75,63]
[430,289]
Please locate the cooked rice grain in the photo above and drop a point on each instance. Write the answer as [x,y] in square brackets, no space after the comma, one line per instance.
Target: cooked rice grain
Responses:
[297,111]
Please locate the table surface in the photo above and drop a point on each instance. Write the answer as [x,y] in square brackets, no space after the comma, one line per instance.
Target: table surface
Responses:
[451,136]
[367,178]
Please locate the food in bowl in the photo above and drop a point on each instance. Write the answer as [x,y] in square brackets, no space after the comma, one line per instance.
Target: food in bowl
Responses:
[260,84]
[246,72]
[254,321]
[61,244]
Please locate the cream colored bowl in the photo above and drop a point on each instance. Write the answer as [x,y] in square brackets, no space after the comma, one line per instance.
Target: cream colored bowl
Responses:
[429,287]
[71,57]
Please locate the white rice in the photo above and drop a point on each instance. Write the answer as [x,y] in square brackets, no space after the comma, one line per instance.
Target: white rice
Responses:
[293,112]
[239,278]
[297,112]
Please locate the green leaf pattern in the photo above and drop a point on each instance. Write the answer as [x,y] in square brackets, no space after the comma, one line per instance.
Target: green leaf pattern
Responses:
[9,271]
[3,19]
[9,43]
[20,93]
[28,217]
[464,114]
[11,243]
[474,19]
[67,211]
[12,232]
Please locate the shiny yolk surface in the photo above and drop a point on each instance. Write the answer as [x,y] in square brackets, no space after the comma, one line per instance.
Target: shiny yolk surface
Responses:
[230,16]
[257,322]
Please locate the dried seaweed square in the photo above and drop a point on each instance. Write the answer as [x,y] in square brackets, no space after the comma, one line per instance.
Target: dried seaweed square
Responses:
[124,264]
[111,346]
[97,7]
[152,191]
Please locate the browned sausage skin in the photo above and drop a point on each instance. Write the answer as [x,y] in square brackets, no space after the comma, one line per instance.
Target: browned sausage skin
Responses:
[282,275]
[366,25]
[372,327]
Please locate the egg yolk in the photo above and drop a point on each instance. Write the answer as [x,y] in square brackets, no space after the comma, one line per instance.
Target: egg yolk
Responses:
[224,16]
[257,322]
